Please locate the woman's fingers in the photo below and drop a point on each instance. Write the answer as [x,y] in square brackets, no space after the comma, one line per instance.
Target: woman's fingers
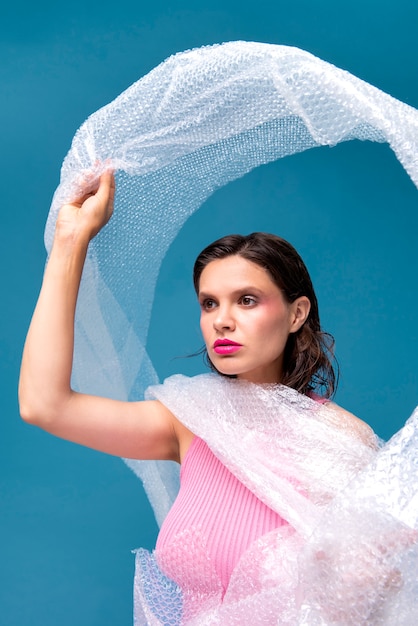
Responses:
[106,191]
[92,209]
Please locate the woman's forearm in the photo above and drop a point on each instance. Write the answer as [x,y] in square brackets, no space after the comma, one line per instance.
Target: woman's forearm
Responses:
[48,353]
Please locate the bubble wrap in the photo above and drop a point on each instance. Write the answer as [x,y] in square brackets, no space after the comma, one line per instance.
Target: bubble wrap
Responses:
[316,458]
[349,554]
[199,120]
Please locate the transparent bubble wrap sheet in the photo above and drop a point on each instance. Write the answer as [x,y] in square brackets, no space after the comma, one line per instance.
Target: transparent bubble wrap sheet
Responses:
[349,554]
[199,120]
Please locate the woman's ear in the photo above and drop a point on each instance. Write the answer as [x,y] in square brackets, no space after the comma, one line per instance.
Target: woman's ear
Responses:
[300,311]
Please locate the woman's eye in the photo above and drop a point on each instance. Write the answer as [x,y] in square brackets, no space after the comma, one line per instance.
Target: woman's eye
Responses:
[248,300]
[208,304]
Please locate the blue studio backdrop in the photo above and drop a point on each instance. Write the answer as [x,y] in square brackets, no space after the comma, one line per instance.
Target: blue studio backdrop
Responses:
[71,516]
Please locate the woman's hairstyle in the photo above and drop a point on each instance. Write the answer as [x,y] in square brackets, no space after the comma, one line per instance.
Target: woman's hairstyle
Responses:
[309,363]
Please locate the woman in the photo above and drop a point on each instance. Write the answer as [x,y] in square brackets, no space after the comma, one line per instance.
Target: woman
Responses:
[260,324]
[323,552]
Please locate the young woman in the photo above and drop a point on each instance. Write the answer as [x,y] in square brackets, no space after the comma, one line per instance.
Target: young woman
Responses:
[264,529]
[263,449]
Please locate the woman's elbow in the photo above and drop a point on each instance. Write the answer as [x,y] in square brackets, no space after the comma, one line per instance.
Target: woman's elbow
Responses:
[33,410]
[32,414]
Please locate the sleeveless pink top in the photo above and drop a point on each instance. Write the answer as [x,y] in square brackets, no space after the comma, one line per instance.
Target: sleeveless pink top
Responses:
[212,522]
[223,516]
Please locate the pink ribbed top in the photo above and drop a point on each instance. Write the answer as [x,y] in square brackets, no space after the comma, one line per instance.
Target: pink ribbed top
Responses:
[217,508]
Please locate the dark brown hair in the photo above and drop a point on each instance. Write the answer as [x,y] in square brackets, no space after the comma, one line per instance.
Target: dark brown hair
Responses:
[309,363]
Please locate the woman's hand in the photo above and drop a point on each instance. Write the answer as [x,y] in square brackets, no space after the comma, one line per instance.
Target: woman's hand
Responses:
[87,215]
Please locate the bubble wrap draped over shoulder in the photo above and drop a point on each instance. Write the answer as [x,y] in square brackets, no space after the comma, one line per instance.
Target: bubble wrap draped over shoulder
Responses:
[199,120]
[349,554]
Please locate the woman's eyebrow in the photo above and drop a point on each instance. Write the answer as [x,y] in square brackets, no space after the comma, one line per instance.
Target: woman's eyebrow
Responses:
[239,291]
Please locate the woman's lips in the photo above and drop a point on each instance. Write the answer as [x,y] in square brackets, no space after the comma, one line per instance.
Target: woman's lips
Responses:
[226,346]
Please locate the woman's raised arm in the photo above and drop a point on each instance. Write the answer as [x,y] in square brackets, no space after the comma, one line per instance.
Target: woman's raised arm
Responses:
[145,430]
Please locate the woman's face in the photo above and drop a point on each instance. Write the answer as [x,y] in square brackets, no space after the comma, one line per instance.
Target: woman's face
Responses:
[245,319]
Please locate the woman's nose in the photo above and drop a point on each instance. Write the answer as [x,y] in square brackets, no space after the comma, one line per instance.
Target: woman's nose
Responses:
[223,320]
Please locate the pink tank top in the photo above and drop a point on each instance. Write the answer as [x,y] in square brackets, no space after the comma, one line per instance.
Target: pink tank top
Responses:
[212,522]
[216,513]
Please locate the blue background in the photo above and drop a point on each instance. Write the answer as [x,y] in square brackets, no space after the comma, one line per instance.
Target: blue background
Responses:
[69,516]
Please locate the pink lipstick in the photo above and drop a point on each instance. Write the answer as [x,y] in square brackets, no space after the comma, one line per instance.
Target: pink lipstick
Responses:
[226,346]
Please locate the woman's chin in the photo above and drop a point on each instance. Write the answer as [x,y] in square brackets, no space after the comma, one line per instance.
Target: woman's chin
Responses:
[224,368]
